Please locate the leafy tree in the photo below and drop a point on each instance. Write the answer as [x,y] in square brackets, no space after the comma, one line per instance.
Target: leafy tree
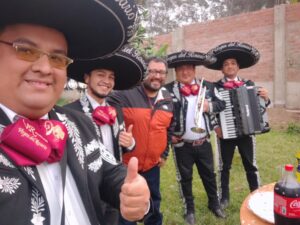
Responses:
[145,43]
[165,16]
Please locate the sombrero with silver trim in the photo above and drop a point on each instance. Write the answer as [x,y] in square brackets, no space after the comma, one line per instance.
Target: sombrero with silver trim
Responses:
[187,57]
[245,54]
[128,65]
[93,28]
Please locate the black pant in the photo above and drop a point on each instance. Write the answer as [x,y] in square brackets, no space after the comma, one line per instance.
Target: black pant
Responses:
[185,157]
[246,148]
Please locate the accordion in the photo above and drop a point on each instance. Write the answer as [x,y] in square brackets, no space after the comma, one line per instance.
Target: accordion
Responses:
[244,114]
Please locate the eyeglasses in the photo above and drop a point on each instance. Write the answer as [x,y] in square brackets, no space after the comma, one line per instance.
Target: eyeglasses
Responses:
[32,54]
[160,72]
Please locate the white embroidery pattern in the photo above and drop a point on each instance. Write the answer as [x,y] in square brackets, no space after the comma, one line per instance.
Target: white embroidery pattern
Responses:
[91,147]
[29,171]
[96,165]
[4,161]
[74,135]
[37,207]
[106,155]
[85,103]
[9,185]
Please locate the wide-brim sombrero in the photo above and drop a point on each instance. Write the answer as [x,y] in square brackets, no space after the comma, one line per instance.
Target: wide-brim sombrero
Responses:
[128,66]
[93,28]
[187,57]
[245,54]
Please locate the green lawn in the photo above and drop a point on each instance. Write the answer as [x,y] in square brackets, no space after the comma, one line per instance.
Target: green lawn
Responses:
[274,149]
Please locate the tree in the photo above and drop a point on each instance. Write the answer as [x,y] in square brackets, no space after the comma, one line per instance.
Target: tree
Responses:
[165,16]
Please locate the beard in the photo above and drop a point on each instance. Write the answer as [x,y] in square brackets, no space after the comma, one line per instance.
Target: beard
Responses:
[151,88]
[98,95]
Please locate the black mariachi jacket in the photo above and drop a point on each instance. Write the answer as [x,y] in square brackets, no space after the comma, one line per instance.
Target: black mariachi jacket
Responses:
[96,173]
[83,105]
[181,104]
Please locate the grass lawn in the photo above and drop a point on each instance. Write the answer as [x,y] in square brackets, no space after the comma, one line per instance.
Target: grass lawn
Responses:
[274,149]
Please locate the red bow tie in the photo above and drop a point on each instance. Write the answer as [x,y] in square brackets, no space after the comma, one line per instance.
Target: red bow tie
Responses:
[104,115]
[189,89]
[31,142]
[233,84]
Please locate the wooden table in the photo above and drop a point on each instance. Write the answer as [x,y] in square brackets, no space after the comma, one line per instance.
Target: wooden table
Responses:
[247,217]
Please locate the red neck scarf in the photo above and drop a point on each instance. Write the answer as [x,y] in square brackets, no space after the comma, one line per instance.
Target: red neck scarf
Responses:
[189,89]
[31,142]
[233,84]
[104,115]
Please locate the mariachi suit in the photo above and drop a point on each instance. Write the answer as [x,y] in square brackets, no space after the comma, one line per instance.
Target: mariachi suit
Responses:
[21,189]
[84,105]
[186,154]
[247,149]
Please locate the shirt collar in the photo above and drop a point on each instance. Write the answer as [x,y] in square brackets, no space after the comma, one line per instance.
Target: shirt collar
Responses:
[11,114]
[93,102]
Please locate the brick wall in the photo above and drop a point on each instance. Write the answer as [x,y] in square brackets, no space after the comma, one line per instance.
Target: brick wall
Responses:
[262,30]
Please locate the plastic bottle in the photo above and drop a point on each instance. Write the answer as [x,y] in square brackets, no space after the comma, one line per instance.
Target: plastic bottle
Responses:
[287,199]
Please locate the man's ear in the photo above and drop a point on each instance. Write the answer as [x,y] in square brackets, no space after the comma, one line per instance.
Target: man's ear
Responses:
[86,78]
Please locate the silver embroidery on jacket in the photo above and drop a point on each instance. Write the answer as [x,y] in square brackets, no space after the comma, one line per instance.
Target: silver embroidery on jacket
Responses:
[74,135]
[4,161]
[107,156]
[96,165]
[9,185]
[104,154]
[29,171]
[91,147]
[37,207]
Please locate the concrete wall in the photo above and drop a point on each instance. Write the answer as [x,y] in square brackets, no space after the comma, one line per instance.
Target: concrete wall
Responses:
[274,32]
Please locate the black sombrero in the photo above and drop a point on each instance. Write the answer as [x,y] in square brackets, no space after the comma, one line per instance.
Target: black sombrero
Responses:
[127,64]
[188,57]
[93,28]
[245,54]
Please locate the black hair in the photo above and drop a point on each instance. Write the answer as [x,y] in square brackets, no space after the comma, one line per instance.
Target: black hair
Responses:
[157,59]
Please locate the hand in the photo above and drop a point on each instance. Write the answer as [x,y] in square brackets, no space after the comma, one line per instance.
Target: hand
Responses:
[218,132]
[125,137]
[176,139]
[263,93]
[205,106]
[161,162]
[135,194]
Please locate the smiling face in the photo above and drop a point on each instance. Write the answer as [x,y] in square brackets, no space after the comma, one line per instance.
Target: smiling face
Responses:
[185,73]
[100,83]
[31,89]
[230,68]
[156,77]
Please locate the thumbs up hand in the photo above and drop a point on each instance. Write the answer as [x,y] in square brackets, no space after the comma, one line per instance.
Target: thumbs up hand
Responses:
[125,138]
[135,194]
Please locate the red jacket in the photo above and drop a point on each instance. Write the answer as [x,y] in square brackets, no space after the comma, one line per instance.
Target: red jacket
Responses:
[151,124]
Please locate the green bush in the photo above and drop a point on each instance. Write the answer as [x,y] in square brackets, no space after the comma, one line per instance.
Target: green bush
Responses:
[293,128]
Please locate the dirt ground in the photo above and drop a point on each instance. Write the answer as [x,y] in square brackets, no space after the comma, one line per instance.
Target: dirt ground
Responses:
[280,118]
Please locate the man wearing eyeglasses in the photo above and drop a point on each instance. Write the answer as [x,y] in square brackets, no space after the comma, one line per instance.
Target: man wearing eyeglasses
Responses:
[53,168]
[148,108]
